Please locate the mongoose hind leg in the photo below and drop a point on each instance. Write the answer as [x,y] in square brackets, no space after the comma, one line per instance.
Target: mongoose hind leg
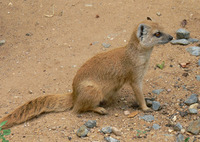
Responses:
[88,99]
[100,110]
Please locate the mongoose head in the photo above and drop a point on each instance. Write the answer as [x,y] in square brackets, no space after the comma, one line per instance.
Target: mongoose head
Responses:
[150,34]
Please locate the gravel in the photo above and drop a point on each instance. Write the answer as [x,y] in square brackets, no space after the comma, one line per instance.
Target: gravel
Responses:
[156,126]
[91,123]
[192,99]
[110,139]
[158,91]
[107,130]
[148,118]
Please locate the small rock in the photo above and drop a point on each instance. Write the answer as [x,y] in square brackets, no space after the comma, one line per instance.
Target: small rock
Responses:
[174,118]
[106,45]
[110,139]
[2,42]
[126,112]
[180,138]
[156,126]
[82,131]
[29,34]
[194,127]
[53,128]
[155,105]
[149,101]
[183,113]
[180,42]
[91,123]
[132,114]
[199,62]
[116,131]
[106,130]
[198,77]
[88,5]
[182,34]
[158,91]
[116,114]
[191,100]
[147,118]
[158,14]
[30,92]
[193,40]
[194,106]
[194,50]
[193,111]
[178,127]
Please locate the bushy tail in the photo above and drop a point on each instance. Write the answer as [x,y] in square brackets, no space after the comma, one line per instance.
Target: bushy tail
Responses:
[49,103]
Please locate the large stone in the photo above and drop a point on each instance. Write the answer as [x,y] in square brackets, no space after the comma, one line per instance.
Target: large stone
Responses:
[180,42]
[182,34]
[194,50]
[194,127]
[193,40]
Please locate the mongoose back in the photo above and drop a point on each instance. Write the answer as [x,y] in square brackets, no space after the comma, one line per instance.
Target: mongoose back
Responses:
[101,77]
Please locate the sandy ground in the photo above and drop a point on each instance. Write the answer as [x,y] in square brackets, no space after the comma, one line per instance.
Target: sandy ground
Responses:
[47,41]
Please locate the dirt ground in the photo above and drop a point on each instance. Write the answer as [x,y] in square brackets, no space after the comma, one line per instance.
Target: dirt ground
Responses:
[47,42]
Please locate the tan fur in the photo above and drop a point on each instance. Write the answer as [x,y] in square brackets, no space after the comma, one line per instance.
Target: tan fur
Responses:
[100,78]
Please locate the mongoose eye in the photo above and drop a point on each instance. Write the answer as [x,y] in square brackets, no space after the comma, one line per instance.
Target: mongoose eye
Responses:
[158,34]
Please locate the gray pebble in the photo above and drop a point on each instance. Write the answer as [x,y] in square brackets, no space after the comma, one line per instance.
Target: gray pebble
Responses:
[155,105]
[193,111]
[147,118]
[192,99]
[2,42]
[194,127]
[199,62]
[158,91]
[183,113]
[110,139]
[180,138]
[193,40]
[198,77]
[106,130]
[182,34]
[106,45]
[178,127]
[156,126]
[194,50]
[180,42]
[82,131]
[91,123]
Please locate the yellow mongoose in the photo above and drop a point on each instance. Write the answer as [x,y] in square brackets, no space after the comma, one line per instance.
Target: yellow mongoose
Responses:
[101,77]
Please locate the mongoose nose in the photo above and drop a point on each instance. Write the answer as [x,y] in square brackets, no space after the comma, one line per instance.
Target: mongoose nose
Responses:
[170,37]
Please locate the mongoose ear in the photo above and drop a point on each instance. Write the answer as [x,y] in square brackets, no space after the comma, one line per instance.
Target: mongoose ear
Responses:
[141,31]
